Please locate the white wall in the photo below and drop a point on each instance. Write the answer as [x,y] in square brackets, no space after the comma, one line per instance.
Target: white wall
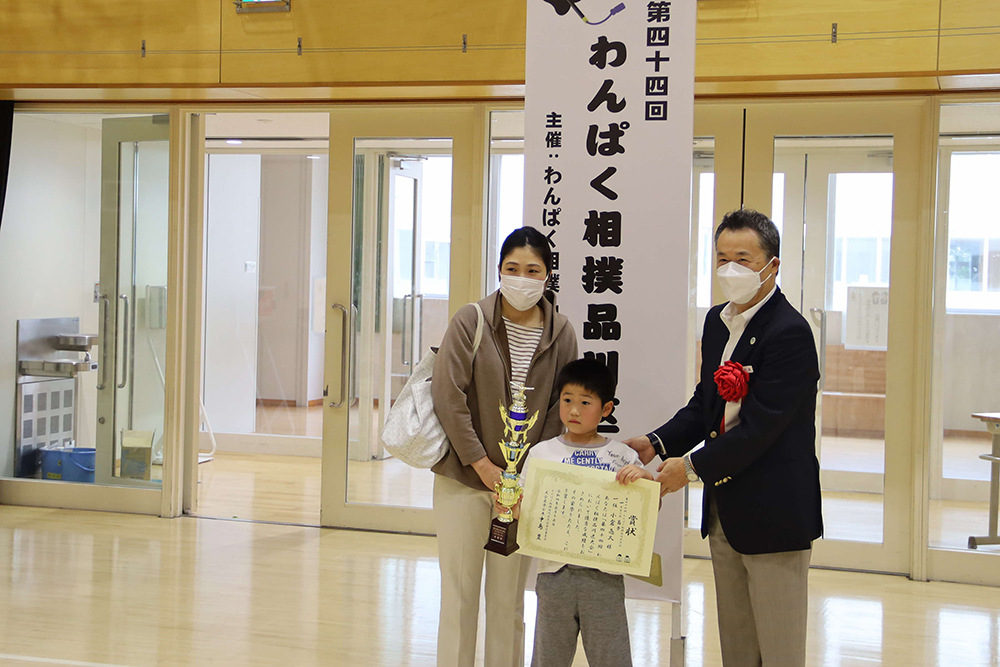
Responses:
[49,251]
[276,356]
[232,220]
[971,370]
[317,272]
[284,278]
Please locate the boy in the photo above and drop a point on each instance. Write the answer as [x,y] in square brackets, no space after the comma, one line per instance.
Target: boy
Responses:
[574,599]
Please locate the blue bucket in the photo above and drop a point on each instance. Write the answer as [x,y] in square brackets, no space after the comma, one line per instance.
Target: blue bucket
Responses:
[68,465]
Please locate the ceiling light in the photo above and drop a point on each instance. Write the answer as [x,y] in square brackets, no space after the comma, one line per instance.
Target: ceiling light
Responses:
[312,157]
[234,142]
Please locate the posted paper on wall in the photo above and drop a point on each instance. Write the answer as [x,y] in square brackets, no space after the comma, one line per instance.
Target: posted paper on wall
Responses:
[582,516]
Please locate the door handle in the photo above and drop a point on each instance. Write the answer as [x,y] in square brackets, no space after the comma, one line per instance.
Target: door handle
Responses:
[106,305]
[822,346]
[344,346]
[351,378]
[417,342]
[402,352]
[125,330]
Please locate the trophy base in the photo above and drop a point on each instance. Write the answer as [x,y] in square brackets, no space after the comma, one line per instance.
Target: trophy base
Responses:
[503,537]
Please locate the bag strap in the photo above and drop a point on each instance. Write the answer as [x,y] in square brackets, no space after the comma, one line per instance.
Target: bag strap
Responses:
[480,322]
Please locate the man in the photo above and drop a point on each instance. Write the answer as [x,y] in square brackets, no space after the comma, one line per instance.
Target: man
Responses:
[756,416]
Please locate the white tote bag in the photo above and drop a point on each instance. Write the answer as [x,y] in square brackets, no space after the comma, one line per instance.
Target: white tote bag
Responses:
[412,432]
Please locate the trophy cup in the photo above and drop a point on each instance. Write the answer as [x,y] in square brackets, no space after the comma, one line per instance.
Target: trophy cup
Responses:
[503,530]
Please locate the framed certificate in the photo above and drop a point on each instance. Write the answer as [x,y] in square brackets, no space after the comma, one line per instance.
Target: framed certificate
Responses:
[582,516]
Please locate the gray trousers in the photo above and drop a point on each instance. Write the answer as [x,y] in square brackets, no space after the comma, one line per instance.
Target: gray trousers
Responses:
[763,602]
[578,600]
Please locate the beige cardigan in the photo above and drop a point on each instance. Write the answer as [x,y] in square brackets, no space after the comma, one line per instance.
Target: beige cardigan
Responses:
[467,396]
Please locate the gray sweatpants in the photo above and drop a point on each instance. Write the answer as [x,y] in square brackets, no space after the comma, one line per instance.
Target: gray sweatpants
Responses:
[578,600]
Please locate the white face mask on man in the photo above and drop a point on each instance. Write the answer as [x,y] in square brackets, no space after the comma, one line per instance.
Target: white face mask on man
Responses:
[521,293]
[738,283]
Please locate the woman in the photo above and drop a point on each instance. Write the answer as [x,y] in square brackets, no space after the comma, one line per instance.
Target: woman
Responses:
[524,340]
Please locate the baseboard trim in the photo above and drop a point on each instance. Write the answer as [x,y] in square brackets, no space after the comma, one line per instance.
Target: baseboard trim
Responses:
[851,481]
[282,403]
[262,443]
[80,496]
[853,433]
[972,435]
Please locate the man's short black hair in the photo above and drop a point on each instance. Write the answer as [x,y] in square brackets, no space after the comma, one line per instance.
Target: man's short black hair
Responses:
[747,218]
[590,374]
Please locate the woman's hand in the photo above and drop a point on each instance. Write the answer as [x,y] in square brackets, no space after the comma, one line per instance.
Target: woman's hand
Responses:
[488,473]
[631,473]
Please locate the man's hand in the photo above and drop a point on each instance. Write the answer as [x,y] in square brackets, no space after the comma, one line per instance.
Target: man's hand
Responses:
[643,447]
[672,476]
[488,473]
[631,473]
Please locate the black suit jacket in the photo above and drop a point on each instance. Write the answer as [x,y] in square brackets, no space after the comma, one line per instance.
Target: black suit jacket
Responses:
[763,473]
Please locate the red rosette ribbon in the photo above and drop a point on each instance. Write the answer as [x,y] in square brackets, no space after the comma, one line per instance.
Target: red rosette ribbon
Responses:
[732,380]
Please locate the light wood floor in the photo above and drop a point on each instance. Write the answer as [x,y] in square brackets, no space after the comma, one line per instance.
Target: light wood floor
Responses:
[960,456]
[287,489]
[113,590]
[282,420]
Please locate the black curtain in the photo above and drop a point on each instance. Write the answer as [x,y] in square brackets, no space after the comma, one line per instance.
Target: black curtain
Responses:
[6,134]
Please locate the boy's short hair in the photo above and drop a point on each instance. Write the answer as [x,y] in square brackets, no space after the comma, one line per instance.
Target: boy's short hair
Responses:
[590,374]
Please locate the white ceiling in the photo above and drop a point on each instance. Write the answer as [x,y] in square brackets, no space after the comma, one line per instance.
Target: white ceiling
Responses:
[267,125]
[507,125]
[970,119]
[89,120]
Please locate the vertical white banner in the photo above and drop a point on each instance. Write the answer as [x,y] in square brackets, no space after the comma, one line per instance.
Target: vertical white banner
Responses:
[609,121]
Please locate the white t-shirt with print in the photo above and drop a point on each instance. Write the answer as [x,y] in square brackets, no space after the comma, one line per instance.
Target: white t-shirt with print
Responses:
[611,456]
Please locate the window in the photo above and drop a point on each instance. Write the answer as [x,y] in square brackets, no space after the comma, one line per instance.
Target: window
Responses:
[861,217]
[965,263]
[973,232]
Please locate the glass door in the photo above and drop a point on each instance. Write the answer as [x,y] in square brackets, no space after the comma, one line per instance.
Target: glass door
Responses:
[841,182]
[406,243]
[963,489]
[833,201]
[400,186]
[716,186]
[133,299]
[400,299]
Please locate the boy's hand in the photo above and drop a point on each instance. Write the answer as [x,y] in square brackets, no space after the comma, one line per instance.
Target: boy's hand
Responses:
[500,509]
[631,473]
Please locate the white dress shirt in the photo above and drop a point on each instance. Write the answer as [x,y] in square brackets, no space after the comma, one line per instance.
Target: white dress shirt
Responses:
[737,323]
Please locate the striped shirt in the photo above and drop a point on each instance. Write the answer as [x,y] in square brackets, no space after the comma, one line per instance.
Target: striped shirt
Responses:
[523,341]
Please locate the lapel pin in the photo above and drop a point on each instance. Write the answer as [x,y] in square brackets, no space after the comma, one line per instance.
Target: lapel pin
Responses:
[753,340]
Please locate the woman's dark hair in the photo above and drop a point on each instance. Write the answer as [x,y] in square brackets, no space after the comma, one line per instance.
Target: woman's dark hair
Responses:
[590,374]
[529,237]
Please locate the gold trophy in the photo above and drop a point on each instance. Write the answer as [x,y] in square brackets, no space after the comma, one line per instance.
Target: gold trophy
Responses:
[503,530]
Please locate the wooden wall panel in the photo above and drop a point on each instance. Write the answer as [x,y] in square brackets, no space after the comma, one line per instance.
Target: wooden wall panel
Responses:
[98,42]
[376,41]
[751,43]
[792,38]
[970,36]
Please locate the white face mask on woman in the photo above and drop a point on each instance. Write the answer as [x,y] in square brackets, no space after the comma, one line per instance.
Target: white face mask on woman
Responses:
[521,293]
[738,283]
